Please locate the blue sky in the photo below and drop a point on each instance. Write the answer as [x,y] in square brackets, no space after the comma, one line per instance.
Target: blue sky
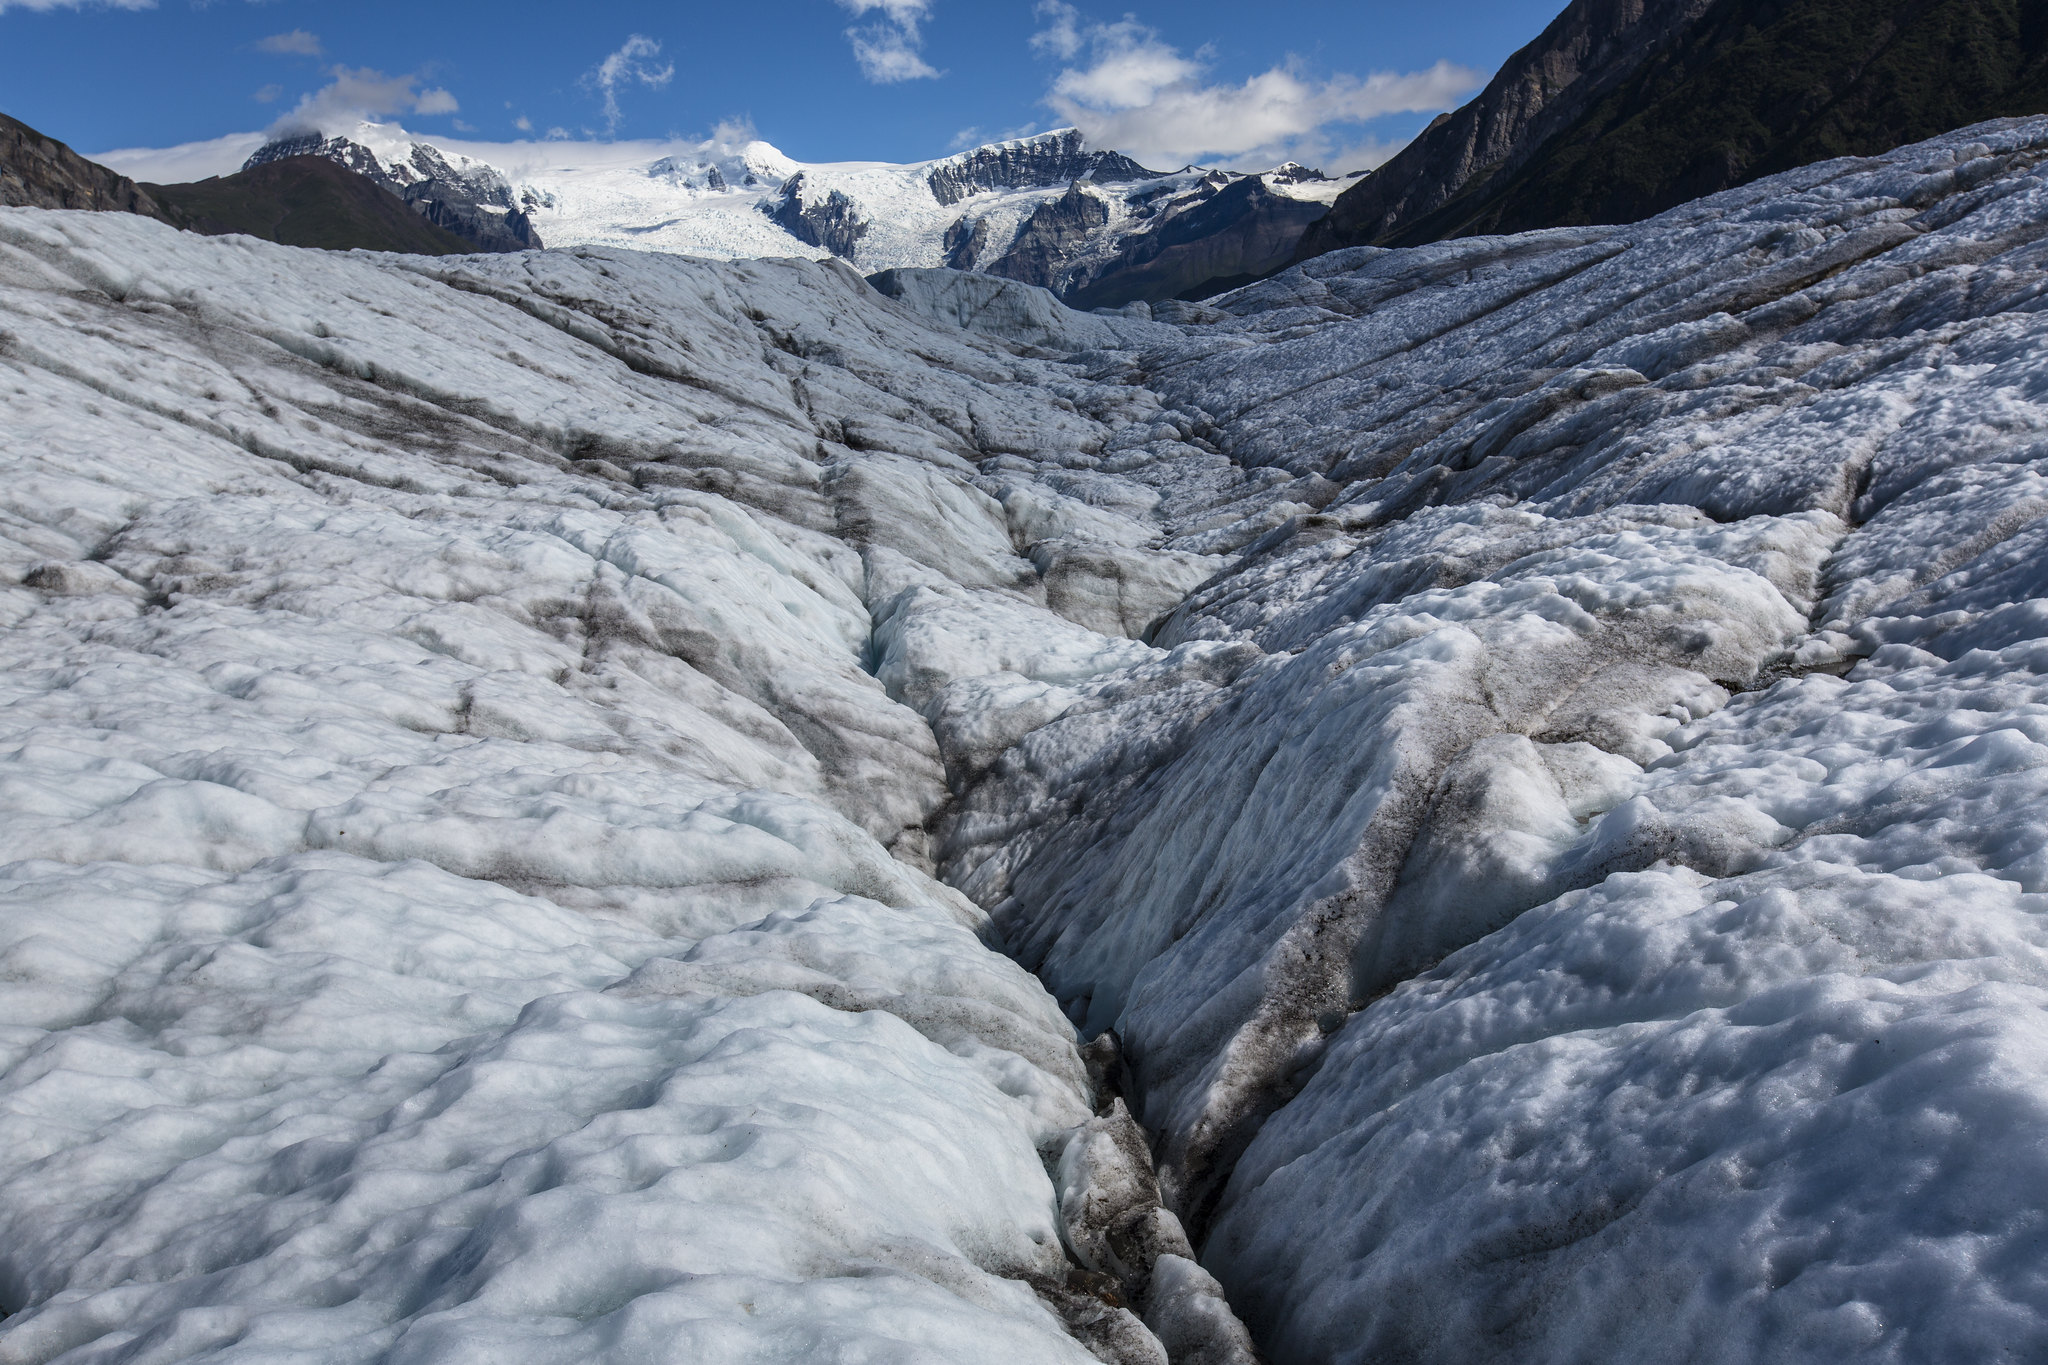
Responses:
[897,80]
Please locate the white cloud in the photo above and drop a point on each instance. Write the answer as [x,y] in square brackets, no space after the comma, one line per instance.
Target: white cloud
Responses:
[269,94]
[45,6]
[732,134]
[523,124]
[1142,96]
[909,13]
[297,43]
[354,95]
[1061,36]
[977,137]
[891,49]
[634,61]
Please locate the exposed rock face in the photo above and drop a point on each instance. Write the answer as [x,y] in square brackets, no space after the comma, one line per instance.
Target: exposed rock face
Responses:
[1241,233]
[1044,161]
[471,200]
[821,218]
[1053,236]
[697,174]
[1587,51]
[1621,110]
[42,173]
[1179,237]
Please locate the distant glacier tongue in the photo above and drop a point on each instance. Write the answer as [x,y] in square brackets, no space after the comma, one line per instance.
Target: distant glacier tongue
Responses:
[1485,802]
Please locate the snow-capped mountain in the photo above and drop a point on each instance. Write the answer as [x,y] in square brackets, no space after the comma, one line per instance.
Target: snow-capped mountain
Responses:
[1093,226]
[465,196]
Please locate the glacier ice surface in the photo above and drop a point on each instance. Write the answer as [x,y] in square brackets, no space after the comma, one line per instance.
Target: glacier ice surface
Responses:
[529,787]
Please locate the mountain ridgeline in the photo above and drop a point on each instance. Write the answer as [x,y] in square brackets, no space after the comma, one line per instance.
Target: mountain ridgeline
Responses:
[473,201]
[1044,162]
[1618,111]
[1095,227]
[307,201]
[293,200]
[1622,109]
[41,172]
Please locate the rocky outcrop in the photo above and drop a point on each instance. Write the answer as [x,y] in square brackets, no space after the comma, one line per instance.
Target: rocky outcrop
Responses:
[1187,236]
[1622,109]
[1243,232]
[42,173]
[472,200]
[1031,163]
[829,219]
[1052,236]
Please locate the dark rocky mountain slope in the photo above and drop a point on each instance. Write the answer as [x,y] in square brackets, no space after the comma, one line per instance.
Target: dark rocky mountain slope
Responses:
[1623,109]
[295,201]
[41,172]
[467,198]
[1184,235]
[307,201]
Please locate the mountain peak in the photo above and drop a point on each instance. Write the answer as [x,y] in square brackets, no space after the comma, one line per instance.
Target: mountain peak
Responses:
[1039,162]
[467,197]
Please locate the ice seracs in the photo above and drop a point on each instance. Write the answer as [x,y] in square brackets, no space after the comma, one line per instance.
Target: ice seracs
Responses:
[1516,765]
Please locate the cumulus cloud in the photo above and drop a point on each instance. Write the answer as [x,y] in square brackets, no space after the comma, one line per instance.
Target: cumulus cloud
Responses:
[1129,89]
[45,6]
[891,48]
[361,93]
[297,43]
[979,137]
[731,135]
[635,61]
[1061,36]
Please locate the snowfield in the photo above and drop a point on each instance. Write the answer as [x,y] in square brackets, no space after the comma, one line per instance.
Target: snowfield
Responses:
[1486,802]
[724,198]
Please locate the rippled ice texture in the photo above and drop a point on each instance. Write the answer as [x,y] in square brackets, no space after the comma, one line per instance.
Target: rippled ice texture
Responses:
[455,723]
[1602,918]
[1533,745]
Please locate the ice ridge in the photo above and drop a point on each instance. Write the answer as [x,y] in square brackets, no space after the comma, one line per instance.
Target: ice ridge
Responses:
[1472,803]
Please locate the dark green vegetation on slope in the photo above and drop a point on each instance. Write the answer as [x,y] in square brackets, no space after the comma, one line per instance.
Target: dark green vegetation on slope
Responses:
[307,201]
[1748,88]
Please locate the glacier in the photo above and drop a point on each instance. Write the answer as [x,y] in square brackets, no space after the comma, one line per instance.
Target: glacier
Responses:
[1042,209]
[1477,802]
